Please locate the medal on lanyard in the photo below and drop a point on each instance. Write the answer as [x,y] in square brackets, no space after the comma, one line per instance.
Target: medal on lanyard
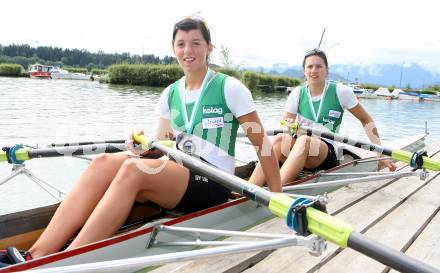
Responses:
[316,115]
[189,125]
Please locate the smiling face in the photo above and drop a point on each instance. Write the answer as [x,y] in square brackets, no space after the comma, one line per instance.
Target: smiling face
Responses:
[315,69]
[191,50]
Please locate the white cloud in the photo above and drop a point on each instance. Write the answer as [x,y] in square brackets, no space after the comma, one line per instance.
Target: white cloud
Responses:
[256,32]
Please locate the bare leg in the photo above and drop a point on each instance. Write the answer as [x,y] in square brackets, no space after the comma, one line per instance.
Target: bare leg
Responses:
[307,152]
[282,143]
[164,188]
[79,204]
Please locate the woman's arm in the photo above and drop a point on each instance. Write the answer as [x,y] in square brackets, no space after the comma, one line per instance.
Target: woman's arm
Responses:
[164,130]
[289,117]
[371,130]
[254,130]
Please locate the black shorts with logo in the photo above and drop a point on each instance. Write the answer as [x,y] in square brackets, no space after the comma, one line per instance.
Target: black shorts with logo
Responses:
[330,161]
[202,193]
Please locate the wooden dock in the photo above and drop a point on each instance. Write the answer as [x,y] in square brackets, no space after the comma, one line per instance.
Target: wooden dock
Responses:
[402,214]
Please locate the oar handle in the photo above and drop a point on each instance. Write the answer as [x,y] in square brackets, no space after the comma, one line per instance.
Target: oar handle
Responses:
[292,126]
[143,140]
[146,142]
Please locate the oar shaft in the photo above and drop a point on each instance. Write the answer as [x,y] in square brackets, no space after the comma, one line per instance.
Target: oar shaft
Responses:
[23,154]
[76,150]
[344,139]
[26,153]
[268,132]
[396,154]
[230,181]
[387,255]
[118,141]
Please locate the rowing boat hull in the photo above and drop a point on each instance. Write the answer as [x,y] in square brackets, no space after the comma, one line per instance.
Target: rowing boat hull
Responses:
[237,214]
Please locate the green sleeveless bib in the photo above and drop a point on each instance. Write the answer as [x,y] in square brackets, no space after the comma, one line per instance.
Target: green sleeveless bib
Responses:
[327,111]
[213,121]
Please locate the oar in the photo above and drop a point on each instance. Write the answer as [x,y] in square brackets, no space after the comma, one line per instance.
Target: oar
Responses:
[414,159]
[20,154]
[268,132]
[117,141]
[26,153]
[319,223]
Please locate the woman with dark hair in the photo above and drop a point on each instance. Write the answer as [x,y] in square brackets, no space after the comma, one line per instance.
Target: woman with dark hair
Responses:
[203,109]
[317,103]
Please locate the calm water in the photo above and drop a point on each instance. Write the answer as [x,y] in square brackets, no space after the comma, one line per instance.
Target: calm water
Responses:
[43,111]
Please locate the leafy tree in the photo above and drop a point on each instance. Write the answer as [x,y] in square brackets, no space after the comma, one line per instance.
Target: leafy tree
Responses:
[224,57]
[74,57]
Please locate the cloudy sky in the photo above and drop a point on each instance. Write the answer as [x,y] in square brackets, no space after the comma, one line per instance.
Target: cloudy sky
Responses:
[255,32]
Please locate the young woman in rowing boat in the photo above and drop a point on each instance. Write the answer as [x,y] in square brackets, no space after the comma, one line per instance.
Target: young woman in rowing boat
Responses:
[208,107]
[317,103]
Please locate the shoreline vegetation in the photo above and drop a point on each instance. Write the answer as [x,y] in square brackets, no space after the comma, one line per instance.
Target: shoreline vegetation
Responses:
[162,75]
[143,70]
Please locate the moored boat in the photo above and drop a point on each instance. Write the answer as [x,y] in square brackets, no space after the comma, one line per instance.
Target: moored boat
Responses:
[430,97]
[384,93]
[61,74]
[367,94]
[39,71]
[402,95]
[137,239]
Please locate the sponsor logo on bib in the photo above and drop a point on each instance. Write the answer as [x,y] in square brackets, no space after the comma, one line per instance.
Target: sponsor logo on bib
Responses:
[212,110]
[334,114]
[211,123]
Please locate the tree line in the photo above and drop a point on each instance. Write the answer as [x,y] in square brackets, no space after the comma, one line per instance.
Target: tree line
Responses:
[26,55]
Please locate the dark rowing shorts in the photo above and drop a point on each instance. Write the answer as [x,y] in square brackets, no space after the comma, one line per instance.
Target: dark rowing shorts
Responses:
[202,193]
[330,161]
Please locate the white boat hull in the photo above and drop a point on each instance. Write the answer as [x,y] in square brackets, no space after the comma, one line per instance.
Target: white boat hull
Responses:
[70,76]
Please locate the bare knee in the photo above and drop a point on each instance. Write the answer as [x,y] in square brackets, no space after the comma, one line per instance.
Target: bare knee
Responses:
[102,170]
[102,160]
[302,144]
[282,144]
[137,174]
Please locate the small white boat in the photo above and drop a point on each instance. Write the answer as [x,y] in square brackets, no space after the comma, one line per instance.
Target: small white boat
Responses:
[60,74]
[428,97]
[402,95]
[367,94]
[39,71]
[384,93]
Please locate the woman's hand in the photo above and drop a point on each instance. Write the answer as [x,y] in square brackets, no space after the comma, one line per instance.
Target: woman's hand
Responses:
[290,120]
[386,163]
[134,147]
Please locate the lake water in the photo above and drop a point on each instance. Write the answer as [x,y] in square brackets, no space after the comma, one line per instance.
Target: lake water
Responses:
[46,111]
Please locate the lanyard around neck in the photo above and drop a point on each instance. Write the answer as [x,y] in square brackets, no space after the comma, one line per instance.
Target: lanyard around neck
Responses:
[316,115]
[189,124]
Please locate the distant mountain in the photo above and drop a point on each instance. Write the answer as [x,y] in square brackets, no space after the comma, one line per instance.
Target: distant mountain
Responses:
[413,76]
